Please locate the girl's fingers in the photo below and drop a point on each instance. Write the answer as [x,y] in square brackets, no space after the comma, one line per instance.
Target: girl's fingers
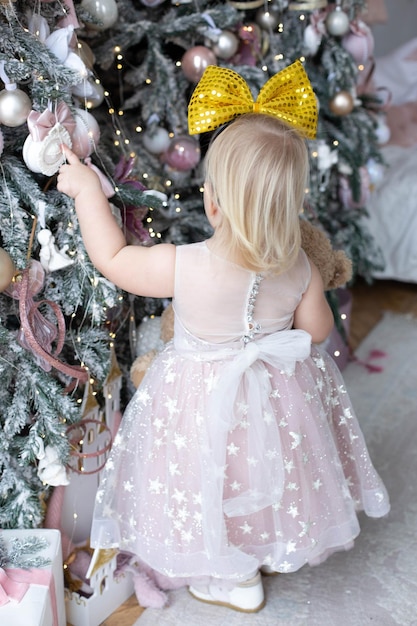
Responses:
[69,155]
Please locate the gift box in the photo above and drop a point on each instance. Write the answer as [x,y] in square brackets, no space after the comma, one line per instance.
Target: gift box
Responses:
[33,596]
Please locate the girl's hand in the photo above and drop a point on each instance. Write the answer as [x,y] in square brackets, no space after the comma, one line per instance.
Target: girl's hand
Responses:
[75,178]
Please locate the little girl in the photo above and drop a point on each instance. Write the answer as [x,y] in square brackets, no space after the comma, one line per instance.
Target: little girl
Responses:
[240,452]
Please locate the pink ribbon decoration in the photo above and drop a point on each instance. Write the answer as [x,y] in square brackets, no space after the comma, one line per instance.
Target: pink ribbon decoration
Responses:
[106,185]
[15,582]
[37,333]
[40,124]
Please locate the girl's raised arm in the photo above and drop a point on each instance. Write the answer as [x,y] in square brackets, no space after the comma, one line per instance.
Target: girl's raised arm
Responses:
[136,269]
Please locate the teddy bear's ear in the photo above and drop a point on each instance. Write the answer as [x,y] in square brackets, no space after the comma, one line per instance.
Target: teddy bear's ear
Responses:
[167,324]
[342,270]
[140,366]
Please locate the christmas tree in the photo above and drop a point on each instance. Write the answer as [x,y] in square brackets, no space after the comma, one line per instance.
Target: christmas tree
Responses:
[113,80]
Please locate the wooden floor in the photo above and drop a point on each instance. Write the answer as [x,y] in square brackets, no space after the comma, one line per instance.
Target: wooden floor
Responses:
[369,304]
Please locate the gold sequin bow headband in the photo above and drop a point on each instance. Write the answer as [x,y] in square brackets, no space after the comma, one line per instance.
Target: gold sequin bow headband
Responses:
[222,94]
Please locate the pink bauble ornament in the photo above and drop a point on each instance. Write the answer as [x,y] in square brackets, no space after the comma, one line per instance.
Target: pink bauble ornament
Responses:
[15,106]
[105,11]
[183,153]
[195,61]
[359,42]
[86,134]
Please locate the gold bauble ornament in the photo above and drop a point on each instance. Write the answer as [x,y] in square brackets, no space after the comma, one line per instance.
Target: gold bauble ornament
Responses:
[342,103]
[307,5]
[7,270]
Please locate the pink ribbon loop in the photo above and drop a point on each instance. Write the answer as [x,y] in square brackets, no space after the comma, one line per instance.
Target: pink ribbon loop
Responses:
[37,333]
[11,589]
[16,582]
[40,124]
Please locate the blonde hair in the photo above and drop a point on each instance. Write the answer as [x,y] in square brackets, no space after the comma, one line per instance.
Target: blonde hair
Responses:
[257,170]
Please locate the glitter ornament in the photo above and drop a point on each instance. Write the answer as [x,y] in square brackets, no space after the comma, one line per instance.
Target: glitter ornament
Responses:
[105,11]
[183,153]
[15,106]
[195,61]
[267,19]
[156,139]
[226,45]
[342,103]
[337,22]
[7,269]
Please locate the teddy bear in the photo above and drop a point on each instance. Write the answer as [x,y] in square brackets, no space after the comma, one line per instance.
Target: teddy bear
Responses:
[334,266]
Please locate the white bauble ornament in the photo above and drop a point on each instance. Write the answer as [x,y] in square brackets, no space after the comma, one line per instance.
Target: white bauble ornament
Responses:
[7,269]
[337,22]
[96,95]
[46,156]
[104,10]
[312,40]
[376,172]
[382,131]
[156,140]
[15,106]
[226,45]
[86,134]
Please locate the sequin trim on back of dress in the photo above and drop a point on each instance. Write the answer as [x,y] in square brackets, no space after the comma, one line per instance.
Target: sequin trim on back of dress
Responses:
[253,326]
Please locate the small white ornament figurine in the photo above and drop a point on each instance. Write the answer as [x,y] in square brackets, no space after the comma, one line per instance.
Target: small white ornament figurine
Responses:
[50,257]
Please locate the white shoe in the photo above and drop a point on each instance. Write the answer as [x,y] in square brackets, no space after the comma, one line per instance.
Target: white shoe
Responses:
[266,570]
[247,596]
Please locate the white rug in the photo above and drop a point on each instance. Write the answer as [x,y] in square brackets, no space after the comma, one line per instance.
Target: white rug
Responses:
[375,583]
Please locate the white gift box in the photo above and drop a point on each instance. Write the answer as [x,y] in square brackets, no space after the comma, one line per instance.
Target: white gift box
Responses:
[42,604]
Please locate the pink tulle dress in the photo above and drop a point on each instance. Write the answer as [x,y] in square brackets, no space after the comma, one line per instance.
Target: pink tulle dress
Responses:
[241,447]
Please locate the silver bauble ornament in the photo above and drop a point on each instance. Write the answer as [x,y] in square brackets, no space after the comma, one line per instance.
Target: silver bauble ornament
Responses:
[267,19]
[226,45]
[337,22]
[342,103]
[15,106]
[105,11]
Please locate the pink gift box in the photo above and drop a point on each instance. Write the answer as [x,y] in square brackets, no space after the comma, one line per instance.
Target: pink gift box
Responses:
[34,597]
